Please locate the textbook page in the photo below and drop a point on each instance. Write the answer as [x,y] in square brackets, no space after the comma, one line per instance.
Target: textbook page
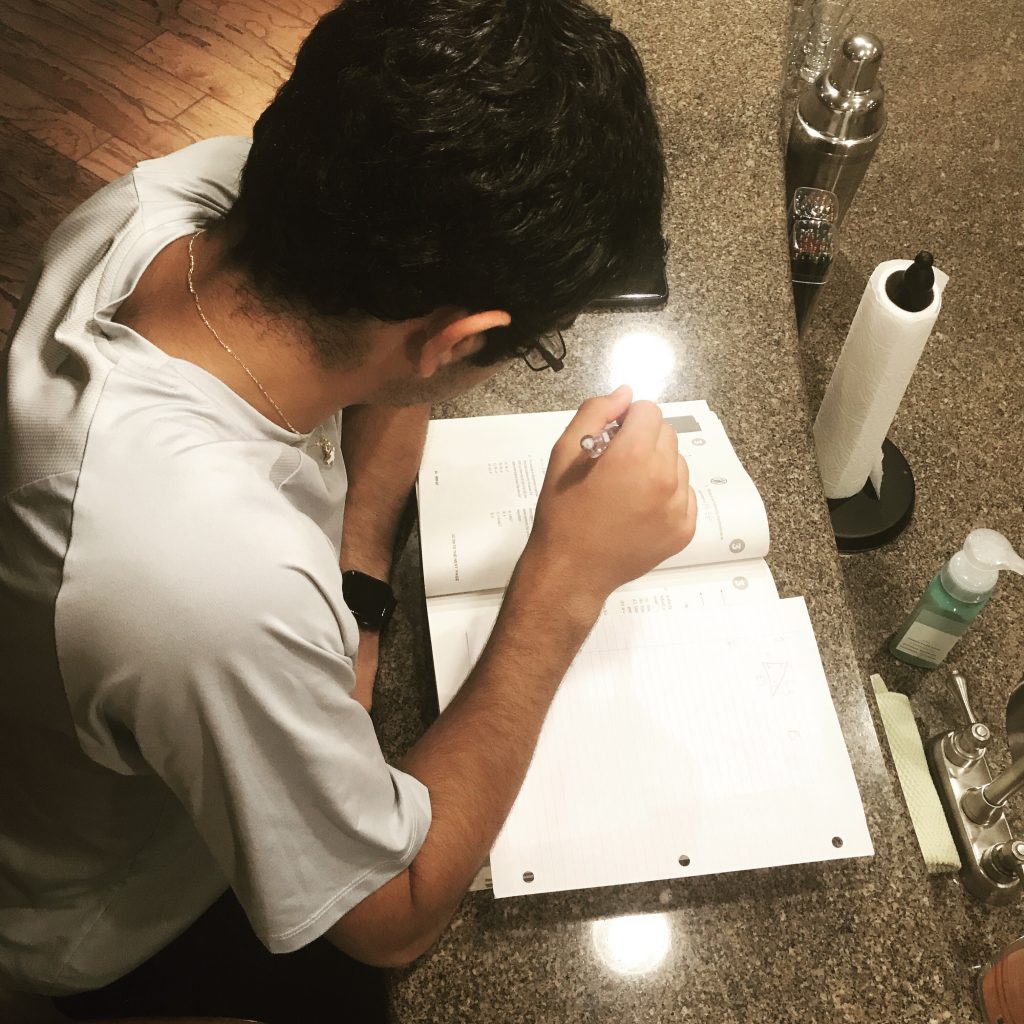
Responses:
[683,743]
[457,621]
[480,478]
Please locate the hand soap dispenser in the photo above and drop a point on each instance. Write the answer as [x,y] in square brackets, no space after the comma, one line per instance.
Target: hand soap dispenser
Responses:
[954,598]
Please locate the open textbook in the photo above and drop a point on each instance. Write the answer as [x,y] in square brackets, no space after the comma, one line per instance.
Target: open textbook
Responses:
[694,732]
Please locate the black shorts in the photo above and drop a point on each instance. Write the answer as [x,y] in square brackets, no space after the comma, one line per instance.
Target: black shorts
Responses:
[218,968]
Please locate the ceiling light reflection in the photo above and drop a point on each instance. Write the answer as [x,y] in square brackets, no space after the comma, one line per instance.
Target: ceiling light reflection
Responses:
[635,944]
[643,360]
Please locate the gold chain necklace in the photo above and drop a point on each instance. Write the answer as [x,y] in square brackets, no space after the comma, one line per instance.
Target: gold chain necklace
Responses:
[323,442]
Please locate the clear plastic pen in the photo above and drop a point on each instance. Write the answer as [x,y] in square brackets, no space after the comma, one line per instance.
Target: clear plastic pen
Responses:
[595,444]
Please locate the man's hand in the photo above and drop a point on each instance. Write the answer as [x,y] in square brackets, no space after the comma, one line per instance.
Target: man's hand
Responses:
[610,520]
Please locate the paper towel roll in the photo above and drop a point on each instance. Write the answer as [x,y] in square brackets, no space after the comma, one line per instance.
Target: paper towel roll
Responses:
[868,383]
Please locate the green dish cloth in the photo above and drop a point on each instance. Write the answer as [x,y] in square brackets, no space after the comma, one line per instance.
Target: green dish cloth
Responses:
[926,814]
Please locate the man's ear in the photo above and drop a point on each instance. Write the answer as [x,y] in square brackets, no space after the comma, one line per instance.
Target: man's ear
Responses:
[455,339]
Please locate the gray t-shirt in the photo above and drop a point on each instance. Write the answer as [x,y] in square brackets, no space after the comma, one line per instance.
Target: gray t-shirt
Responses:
[175,701]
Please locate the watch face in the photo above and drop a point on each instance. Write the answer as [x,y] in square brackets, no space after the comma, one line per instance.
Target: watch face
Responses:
[371,600]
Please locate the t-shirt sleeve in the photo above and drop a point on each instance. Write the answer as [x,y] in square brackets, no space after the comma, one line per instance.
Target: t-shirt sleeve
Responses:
[244,708]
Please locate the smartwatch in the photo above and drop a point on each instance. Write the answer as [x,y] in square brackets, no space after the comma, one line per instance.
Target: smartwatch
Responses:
[370,600]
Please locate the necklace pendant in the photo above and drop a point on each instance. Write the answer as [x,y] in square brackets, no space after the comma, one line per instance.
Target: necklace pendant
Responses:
[326,450]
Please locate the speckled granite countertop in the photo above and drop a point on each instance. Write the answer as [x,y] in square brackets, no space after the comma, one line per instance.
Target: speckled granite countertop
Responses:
[872,940]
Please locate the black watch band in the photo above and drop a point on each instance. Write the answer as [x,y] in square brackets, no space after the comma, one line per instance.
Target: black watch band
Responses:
[371,601]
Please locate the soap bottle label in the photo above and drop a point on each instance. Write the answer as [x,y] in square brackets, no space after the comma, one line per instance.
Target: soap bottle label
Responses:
[928,643]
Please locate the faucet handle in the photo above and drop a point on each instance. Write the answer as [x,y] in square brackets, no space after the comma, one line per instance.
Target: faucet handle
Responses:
[1004,861]
[966,747]
[960,688]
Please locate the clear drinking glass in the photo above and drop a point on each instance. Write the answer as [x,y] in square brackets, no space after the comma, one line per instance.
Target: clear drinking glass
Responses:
[831,20]
[1001,987]
[816,27]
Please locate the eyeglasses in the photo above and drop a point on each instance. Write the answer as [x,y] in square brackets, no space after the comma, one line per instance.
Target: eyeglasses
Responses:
[547,351]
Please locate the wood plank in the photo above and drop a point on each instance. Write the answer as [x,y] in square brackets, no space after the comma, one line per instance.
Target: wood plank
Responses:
[279,33]
[114,158]
[309,12]
[156,91]
[246,50]
[8,305]
[205,22]
[100,101]
[202,68]
[25,215]
[18,258]
[26,220]
[116,22]
[46,120]
[144,15]
[40,169]
[210,117]
[159,10]
[227,50]
[305,12]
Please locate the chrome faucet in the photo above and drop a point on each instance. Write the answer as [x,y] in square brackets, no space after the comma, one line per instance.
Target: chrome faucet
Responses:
[986,803]
[992,860]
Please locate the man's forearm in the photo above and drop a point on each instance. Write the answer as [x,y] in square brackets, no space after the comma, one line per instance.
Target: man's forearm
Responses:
[382,447]
[473,760]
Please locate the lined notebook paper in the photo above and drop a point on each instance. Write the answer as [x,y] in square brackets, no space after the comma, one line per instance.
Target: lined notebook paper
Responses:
[682,744]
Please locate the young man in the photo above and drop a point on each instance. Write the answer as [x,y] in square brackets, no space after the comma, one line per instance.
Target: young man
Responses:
[439,185]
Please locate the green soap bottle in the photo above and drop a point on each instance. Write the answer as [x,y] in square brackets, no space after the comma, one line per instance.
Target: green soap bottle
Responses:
[954,599]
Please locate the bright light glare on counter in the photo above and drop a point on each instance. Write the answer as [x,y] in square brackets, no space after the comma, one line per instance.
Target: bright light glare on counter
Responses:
[643,360]
[632,945]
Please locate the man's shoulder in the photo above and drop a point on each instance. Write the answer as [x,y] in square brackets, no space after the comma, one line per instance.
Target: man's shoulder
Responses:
[205,173]
[179,492]
[187,587]
[196,511]
[186,570]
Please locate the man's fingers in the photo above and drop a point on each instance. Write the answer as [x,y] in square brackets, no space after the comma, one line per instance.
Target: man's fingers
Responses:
[667,445]
[596,413]
[591,418]
[684,470]
[691,515]
[640,429]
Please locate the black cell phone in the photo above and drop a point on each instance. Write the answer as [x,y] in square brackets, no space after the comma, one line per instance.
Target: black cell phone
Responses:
[645,288]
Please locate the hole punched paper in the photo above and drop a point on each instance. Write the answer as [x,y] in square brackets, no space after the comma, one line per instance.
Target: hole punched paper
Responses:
[695,732]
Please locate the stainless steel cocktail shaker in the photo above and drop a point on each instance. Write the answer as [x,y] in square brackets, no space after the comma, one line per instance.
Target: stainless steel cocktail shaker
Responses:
[838,124]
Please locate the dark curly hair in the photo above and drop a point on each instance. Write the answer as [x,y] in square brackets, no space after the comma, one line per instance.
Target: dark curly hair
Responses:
[486,154]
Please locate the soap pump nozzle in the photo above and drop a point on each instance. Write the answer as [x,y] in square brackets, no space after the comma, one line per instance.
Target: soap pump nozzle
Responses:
[972,573]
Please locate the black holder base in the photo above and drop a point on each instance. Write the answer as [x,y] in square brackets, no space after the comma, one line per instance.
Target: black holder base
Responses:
[864,521]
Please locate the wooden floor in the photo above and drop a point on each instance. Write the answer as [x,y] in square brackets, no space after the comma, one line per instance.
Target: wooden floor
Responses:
[89,87]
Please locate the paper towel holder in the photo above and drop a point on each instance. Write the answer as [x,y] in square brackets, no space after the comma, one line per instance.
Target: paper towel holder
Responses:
[863,521]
